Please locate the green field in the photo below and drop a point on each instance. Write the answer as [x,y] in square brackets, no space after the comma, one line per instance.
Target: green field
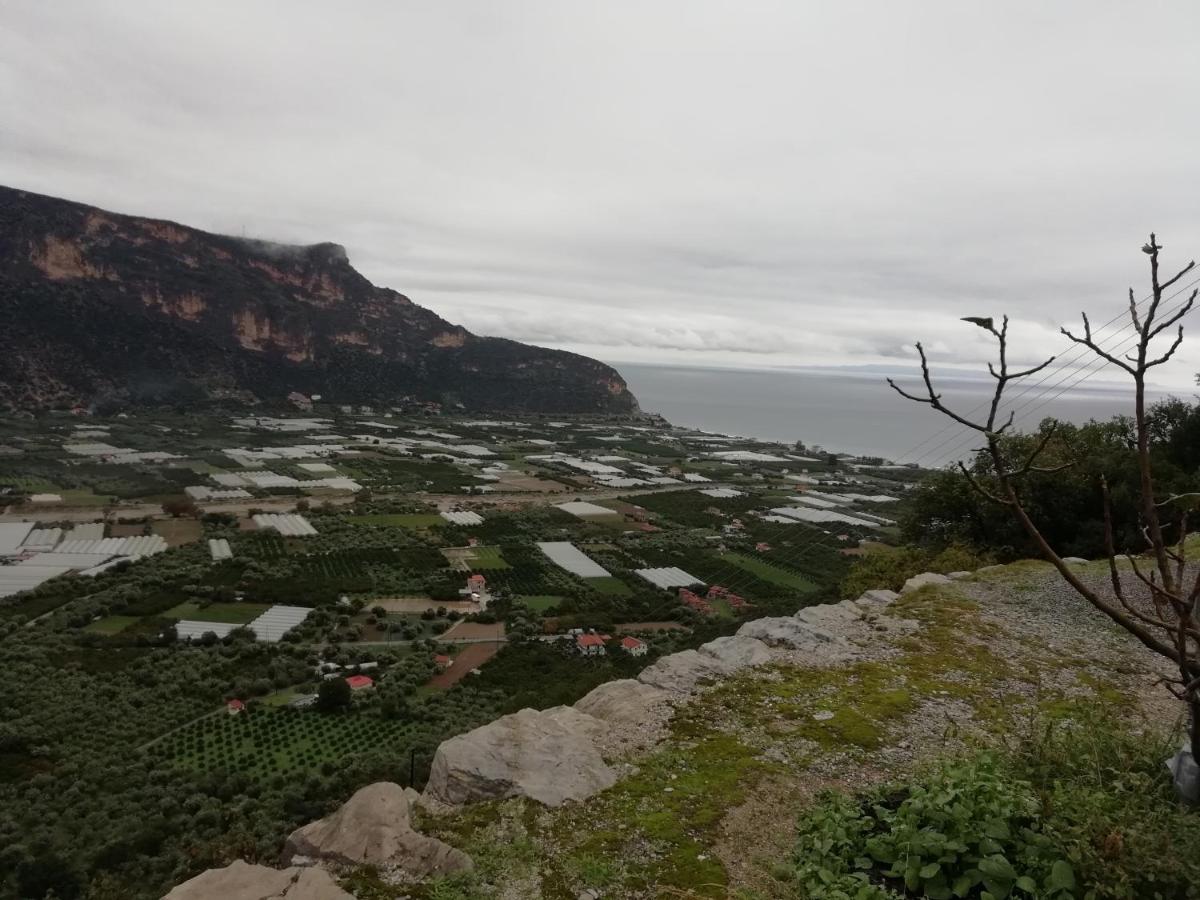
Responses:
[111,624]
[241,613]
[769,572]
[610,585]
[400,520]
[540,602]
[264,742]
[487,558]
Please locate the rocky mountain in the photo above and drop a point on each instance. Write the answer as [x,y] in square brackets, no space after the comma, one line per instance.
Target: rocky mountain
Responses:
[107,308]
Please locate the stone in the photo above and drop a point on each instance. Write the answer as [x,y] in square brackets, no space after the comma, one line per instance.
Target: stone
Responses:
[790,633]
[374,828]
[878,597]
[1074,560]
[959,575]
[1185,773]
[550,756]
[680,672]
[831,615]
[920,581]
[626,702]
[242,881]
[737,651]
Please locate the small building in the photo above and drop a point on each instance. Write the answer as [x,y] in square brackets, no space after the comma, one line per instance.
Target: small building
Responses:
[476,590]
[233,707]
[762,547]
[443,662]
[359,682]
[590,644]
[633,646]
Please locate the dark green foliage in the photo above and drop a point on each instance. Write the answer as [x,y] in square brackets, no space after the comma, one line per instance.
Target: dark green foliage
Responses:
[1077,809]
[890,567]
[333,695]
[1066,505]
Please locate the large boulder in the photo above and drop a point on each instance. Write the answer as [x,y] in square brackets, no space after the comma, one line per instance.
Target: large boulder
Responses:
[920,581]
[680,672]
[737,652]
[242,881]
[374,828]
[790,633]
[626,703]
[873,601]
[550,756]
[831,616]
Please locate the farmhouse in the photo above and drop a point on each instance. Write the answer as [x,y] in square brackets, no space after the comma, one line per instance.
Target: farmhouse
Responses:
[233,707]
[590,644]
[633,646]
[359,682]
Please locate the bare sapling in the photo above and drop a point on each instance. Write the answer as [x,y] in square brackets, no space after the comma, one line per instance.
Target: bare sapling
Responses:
[1158,606]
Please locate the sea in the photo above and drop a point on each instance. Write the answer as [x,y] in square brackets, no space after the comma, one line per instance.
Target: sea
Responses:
[855,411]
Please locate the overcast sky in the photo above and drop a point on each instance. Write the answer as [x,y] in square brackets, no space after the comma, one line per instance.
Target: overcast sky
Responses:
[732,183]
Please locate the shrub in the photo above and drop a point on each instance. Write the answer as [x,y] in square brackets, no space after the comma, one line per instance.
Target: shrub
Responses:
[1078,808]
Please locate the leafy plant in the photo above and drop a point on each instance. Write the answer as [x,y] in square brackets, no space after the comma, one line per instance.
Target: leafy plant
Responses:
[966,829]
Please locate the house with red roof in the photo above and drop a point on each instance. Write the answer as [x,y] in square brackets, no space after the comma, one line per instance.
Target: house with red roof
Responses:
[633,646]
[442,661]
[358,682]
[590,644]
[233,707]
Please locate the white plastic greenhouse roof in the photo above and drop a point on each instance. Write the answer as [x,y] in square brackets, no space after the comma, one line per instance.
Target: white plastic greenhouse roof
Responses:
[582,509]
[567,556]
[287,524]
[668,577]
[463,518]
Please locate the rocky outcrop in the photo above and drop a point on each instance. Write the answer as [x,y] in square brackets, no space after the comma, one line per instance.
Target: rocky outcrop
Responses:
[559,754]
[374,828]
[737,652]
[550,756]
[101,308]
[625,703]
[680,672]
[925,578]
[242,881]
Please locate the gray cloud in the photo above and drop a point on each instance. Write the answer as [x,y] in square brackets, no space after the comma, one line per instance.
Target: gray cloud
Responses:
[770,183]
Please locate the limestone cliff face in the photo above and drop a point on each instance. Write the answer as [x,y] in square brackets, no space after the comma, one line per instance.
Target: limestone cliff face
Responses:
[103,306]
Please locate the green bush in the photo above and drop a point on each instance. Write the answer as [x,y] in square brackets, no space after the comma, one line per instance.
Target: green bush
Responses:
[890,567]
[1078,808]
[965,830]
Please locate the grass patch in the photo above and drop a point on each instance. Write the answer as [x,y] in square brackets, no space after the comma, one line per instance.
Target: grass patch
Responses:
[769,572]
[609,585]
[487,558]
[239,613]
[540,602]
[111,624]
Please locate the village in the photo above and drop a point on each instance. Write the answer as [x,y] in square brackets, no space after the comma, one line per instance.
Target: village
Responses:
[362,564]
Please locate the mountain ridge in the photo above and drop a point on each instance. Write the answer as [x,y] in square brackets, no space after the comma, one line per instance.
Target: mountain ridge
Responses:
[105,308]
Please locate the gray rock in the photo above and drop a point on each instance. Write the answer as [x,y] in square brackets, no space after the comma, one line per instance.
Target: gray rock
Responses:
[242,881]
[958,576]
[878,597]
[831,616]
[920,581]
[626,702]
[737,652]
[680,672]
[374,828]
[1074,560]
[550,756]
[1185,773]
[790,633]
